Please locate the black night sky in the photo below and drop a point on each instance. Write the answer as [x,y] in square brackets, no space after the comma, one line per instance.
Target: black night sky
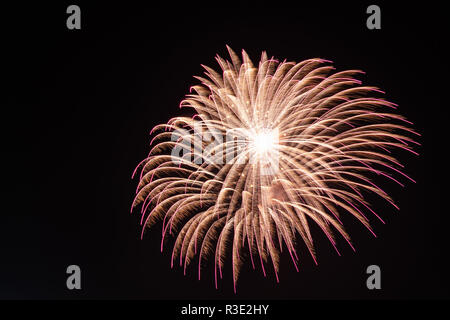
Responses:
[78,106]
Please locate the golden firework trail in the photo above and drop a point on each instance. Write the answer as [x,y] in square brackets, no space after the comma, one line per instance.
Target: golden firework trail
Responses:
[271,149]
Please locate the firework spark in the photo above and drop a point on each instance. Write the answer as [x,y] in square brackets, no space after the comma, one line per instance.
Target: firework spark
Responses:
[270,150]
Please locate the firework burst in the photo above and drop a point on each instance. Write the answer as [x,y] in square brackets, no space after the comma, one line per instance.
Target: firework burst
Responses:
[271,149]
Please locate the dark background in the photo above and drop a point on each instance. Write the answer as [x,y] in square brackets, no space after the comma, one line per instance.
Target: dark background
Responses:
[78,106]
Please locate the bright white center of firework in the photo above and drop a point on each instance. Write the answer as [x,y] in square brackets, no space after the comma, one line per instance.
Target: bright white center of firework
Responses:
[265,141]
